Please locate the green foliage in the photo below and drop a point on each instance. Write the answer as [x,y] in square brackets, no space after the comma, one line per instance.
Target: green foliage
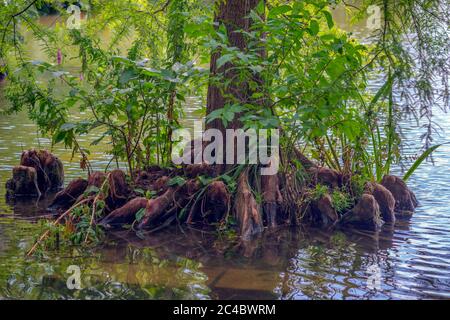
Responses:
[341,201]
[318,192]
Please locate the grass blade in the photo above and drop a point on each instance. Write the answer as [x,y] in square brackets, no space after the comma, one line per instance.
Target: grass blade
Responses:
[419,161]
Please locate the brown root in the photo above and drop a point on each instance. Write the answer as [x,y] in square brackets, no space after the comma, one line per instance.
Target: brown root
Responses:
[365,214]
[216,203]
[67,197]
[160,185]
[125,214]
[145,179]
[323,211]
[23,183]
[271,194]
[50,170]
[327,177]
[295,204]
[385,200]
[119,191]
[156,208]
[246,211]
[194,170]
[405,200]
[96,179]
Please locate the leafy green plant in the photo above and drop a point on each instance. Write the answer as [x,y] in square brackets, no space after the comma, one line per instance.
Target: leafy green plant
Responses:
[341,201]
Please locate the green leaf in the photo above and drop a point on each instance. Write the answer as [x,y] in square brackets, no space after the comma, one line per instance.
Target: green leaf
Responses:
[92,189]
[139,191]
[279,10]
[382,92]
[224,59]
[419,161]
[329,18]
[314,27]
[176,181]
[140,214]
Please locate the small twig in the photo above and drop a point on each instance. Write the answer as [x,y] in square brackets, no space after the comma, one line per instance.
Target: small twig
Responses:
[45,235]
[94,205]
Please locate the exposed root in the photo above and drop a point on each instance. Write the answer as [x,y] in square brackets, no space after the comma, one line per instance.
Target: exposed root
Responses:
[156,208]
[323,212]
[119,191]
[50,171]
[327,177]
[195,170]
[97,179]
[160,185]
[405,200]
[216,202]
[271,194]
[385,200]
[125,214]
[246,211]
[67,197]
[23,183]
[146,178]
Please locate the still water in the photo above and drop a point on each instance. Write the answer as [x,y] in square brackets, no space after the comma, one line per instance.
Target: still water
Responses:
[408,260]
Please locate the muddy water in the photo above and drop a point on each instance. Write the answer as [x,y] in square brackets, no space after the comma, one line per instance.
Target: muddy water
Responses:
[408,260]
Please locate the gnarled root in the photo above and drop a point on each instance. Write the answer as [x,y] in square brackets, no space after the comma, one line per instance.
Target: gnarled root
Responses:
[246,211]
[216,202]
[50,170]
[195,170]
[405,200]
[125,214]
[96,179]
[271,194]
[323,211]
[23,183]
[156,208]
[365,214]
[119,190]
[67,197]
[385,200]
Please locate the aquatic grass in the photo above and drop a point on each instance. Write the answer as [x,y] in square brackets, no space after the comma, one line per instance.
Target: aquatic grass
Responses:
[427,153]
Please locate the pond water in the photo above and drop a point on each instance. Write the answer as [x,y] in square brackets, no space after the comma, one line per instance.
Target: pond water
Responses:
[408,260]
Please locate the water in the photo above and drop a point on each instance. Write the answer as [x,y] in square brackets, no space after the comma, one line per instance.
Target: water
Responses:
[411,259]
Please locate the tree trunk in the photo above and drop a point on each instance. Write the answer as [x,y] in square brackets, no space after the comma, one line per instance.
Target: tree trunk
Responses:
[234,15]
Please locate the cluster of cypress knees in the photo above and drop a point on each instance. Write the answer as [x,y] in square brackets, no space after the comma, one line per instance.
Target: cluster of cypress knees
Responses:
[283,201]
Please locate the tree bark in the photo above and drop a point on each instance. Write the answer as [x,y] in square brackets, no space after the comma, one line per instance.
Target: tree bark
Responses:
[233,14]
